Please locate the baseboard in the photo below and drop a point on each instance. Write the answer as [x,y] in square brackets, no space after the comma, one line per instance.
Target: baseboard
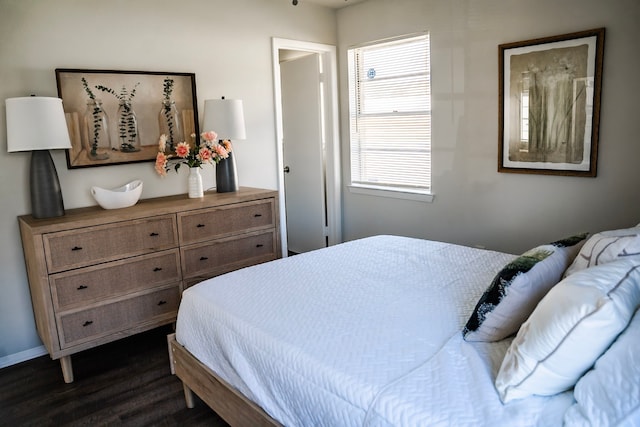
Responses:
[22,356]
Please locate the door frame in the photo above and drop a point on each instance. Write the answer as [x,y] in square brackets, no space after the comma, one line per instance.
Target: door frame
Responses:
[332,135]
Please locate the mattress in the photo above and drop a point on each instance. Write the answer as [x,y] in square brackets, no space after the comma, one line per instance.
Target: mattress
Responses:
[362,333]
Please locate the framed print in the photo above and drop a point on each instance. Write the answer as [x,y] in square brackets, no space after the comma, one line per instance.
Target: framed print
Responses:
[117,117]
[549,104]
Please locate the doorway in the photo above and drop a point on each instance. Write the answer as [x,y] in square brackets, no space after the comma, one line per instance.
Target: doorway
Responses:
[305,81]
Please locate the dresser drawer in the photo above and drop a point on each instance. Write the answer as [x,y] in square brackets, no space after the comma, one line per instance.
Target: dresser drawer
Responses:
[213,258]
[86,246]
[158,307]
[90,284]
[206,224]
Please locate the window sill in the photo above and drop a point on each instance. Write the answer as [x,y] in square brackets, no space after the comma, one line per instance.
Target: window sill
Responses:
[393,194]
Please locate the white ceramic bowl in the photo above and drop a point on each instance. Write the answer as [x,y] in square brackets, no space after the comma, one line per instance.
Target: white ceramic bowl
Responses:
[121,197]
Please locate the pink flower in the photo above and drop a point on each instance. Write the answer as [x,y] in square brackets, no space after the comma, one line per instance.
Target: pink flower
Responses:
[209,136]
[161,164]
[221,151]
[205,155]
[182,150]
[205,150]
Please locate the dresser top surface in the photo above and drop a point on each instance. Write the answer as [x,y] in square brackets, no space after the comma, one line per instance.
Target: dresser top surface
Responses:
[92,215]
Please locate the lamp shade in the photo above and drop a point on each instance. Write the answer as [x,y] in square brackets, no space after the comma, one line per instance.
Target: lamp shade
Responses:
[36,123]
[225,117]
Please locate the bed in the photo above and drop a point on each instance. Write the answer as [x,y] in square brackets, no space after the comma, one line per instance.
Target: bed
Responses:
[365,333]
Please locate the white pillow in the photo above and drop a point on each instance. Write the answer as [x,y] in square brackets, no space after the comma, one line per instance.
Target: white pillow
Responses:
[607,246]
[609,394]
[569,329]
[518,288]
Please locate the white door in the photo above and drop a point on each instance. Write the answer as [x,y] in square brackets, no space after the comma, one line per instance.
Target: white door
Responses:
[303,153]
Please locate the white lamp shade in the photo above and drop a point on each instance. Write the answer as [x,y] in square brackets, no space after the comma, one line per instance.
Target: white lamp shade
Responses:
[225,117]
[36,123]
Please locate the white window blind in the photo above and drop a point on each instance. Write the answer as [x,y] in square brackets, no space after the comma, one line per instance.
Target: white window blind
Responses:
[390,114]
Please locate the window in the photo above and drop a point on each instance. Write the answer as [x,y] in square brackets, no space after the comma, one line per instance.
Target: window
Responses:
[390,115]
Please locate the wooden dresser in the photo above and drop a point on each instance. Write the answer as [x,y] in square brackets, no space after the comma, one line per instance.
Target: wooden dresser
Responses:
[100,275]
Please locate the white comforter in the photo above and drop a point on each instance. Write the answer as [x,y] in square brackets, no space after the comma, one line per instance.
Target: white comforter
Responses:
[363,333]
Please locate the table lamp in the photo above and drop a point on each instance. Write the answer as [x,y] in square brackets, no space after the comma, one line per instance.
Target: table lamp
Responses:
[37,124]
[226,118]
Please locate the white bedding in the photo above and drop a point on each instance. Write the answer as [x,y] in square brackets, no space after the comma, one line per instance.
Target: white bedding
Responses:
[363,333]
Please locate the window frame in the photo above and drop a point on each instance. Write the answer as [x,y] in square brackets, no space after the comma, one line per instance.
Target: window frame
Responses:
[424,194]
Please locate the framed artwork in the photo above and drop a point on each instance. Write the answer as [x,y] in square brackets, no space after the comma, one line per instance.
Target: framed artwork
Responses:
[117,117]
[549,104]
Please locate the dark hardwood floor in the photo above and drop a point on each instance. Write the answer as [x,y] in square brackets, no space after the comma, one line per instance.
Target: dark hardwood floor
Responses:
[124,383]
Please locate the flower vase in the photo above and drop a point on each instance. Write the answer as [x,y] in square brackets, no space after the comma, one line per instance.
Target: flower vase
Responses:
[195,183]
[96,124]
[226,177]
[128,136]
[170,123]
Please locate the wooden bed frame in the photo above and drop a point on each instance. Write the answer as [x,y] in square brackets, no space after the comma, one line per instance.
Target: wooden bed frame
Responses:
[219,395]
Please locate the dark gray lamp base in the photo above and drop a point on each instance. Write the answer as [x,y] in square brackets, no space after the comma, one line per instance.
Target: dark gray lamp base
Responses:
[46,195]
[226,176]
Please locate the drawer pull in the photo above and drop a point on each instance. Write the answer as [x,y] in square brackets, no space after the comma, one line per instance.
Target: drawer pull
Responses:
[76,248]
[257,215]
[204,258]
[157,269]
[153,234]
[87,323]
[200,225]
[81,287]
[162,302]
[259,245]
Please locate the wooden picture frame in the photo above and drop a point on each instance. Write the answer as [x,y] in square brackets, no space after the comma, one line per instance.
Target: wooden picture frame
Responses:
[139,106]
[549,104]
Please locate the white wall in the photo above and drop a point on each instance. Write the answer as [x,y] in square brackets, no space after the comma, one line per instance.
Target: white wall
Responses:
[474,204]
[227,44]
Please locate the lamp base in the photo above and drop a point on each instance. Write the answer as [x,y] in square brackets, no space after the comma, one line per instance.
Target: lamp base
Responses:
[46,195]
[226,177]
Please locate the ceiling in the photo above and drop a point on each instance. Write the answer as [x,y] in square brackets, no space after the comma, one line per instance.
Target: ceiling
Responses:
[335,4]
